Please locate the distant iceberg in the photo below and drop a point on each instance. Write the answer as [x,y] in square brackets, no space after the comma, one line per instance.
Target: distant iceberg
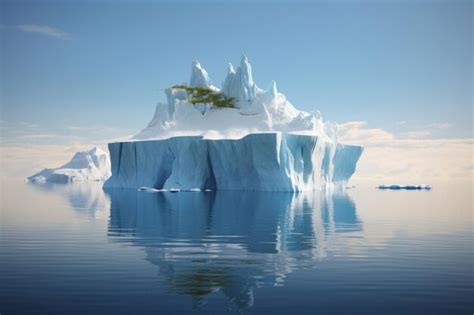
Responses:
[405,187]
[93,165]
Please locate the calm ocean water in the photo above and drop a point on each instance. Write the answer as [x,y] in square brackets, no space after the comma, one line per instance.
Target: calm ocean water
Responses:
[76,249]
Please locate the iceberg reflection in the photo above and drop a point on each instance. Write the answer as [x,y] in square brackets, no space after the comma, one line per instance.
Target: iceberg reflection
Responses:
[229,241]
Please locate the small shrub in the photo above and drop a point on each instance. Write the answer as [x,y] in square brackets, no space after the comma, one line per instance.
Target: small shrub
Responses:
[202,95]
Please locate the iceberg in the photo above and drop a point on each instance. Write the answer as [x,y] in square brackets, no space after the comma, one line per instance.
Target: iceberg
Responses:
[405,187]
[240,137]
[92,165]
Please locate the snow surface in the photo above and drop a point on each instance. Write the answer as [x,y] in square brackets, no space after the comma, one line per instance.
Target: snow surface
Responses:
[84,166]
[257,111]
[266,162]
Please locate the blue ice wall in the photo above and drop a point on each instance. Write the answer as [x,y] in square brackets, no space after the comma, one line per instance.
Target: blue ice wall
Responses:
[266,162]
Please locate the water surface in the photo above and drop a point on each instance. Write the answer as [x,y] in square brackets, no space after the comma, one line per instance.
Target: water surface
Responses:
[75,249]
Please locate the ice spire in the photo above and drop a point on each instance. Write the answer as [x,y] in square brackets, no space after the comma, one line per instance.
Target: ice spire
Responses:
[246,72]
[230,69]
[239,83]
[229,79]
[273,92]
[199,76]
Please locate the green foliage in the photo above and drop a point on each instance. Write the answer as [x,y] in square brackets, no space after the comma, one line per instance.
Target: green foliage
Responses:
[202,95]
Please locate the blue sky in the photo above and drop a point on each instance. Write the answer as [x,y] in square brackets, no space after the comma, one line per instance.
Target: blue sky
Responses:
[399,65]
[396,74]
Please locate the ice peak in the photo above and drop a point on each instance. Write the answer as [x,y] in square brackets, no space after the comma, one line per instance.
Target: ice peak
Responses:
[230,69]
[246,70]
[273,89]
[96,151]
[199,76]
[239,83]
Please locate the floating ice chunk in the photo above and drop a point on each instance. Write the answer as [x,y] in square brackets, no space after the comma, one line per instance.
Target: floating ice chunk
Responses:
[149,189]
[172,190]
[38,178]
[405,187]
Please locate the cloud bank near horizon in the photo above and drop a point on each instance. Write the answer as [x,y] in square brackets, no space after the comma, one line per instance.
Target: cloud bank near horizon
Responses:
[408,157]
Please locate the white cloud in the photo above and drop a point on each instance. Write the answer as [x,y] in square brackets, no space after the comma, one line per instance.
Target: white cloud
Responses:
[26,147]
[440,126]
[44,30]
[408,157]
[14,133]
[415,134]
[27,124]
[93,128]
[354,131]
[37,136]
[21,161]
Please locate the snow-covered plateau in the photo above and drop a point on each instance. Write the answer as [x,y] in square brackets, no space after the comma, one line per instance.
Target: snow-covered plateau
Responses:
[238,137]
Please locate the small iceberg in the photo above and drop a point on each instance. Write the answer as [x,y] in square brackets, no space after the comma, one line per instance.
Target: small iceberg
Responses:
[92,165]
[149,189]
[173,190]
[405,187]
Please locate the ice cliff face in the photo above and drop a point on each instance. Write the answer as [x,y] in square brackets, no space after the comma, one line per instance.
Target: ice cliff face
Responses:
[84,166]
[265,162]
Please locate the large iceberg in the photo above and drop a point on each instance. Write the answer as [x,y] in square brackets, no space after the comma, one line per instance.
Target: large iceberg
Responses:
[239,137]
[84,166]
[262,142]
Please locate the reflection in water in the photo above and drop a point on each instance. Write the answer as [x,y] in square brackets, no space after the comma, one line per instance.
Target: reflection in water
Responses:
[228,241]
[77,249]
[82,196]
